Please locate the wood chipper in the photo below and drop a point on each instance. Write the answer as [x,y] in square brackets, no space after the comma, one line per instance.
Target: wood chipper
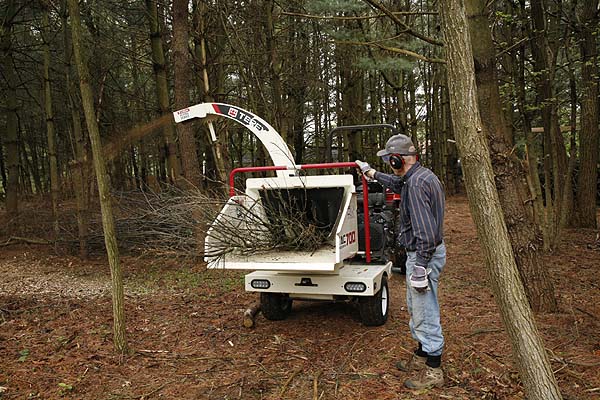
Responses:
[294,208]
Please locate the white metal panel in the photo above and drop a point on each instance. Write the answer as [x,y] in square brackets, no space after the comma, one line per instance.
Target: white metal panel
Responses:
[321,260]
[369,274]
[309,182]
[343,245]
[346,235]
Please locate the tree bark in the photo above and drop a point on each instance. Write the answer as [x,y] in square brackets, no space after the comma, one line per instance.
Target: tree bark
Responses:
[298,88]
[412,106]
[81,174]
[528,348]
[216,148]
[110,238]
[250,315]
[568,198]
[507,168]
[555,156]
[2,166]
[587,184]
[183,77]
[274,68]
[162,90]
[11,142]
[54,184]
[532,154]
[351,111]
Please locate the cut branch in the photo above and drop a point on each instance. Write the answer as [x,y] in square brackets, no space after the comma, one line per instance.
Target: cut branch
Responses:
[250,314]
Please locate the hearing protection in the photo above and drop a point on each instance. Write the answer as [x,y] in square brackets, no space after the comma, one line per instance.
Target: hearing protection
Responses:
[396,161]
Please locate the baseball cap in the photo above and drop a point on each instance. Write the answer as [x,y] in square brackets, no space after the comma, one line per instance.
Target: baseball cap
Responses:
[398,144]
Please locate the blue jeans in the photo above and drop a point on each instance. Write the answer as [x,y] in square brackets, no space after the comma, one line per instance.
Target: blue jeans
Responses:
[424,308]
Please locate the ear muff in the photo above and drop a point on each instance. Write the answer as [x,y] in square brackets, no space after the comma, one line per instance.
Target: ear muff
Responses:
[396,161]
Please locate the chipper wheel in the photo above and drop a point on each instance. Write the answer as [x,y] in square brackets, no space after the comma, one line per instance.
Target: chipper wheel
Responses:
[374,309]
[275,306]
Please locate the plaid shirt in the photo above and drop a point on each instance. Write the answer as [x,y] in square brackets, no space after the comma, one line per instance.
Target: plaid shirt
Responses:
[421,210]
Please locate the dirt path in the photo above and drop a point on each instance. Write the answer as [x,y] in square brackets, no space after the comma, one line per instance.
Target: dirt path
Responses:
[28,273]
[187,340]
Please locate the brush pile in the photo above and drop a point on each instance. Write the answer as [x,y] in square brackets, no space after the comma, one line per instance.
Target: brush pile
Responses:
[174,222]
[278,222]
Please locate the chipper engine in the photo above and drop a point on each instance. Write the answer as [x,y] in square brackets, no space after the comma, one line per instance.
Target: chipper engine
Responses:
[298,233]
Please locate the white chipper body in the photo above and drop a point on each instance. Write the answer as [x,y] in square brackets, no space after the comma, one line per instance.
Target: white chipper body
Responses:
[332,269]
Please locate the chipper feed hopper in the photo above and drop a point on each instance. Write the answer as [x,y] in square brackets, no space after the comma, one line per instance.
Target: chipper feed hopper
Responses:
[298,233]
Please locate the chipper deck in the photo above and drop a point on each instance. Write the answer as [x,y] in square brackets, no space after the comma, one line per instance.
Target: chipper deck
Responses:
[299,233]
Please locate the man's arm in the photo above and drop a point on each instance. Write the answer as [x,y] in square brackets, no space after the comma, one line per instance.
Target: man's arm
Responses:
[392,181]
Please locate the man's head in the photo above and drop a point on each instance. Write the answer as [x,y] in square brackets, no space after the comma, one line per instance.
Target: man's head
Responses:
[400,153]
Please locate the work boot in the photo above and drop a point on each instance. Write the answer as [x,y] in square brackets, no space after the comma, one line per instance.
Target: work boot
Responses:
[426,378]
[414,363]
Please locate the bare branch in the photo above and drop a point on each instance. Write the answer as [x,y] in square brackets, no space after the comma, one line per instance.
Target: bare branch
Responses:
[394,50]
[357,18]
[397,20]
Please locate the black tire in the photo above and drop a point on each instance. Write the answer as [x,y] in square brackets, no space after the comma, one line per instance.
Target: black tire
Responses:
[374,309]
[275,306]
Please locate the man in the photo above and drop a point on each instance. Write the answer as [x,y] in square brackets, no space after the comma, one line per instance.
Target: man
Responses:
[421,234]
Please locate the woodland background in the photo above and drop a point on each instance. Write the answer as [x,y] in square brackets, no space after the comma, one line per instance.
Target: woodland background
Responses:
[305,67]
[95,82]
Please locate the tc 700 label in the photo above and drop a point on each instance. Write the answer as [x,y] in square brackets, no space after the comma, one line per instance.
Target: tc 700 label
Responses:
[347,239]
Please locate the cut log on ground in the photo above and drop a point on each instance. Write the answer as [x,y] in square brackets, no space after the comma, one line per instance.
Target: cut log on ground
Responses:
[250,314]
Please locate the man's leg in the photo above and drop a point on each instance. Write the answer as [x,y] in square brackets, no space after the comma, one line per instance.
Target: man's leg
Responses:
[424,308]
[424,322]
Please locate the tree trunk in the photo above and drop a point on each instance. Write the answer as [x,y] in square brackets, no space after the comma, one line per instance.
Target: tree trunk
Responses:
[54,184]
[532,154]
[567,206]
[2,166]
[412,95]
[183,76]
[81,174]
[216,148]
[555,157]
[528,348]
[110,238]
[587,184]
[162,90]
[274,68]
[30,158]
[350,88]
[12,137]
[297,88]
[507,168]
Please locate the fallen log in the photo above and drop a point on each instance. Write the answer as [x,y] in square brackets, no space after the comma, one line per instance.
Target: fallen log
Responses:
[250,314]
[18,239]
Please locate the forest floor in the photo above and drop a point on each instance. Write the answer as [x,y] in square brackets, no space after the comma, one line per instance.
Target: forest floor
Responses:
[187,341]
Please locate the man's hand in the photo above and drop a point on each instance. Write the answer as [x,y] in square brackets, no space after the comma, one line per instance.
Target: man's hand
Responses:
[366,169]
[419,280]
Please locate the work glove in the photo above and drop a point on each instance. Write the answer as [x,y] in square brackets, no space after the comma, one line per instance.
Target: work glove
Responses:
[365,169]
[419,280]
